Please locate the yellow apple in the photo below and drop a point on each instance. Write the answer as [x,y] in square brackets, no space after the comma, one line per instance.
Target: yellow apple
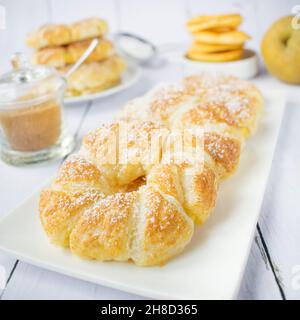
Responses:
[280,49]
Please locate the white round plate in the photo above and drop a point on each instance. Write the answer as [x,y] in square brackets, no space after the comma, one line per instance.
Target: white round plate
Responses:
[129,77]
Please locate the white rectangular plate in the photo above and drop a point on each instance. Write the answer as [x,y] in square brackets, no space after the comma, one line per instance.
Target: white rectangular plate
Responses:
[212,265]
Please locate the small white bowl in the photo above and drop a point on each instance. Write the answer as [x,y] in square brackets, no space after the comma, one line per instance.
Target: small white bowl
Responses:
[245,68]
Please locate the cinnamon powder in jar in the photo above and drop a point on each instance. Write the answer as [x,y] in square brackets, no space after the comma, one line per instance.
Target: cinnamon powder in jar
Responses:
[32,128]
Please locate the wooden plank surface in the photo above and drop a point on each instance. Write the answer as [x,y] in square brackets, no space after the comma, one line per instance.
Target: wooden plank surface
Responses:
[280,216]
[273,267]
[258,281]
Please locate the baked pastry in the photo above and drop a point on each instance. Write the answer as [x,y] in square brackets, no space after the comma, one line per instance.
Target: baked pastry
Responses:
[88,210]
[88,28]
[51,35]
[228,99]
[228,21]
[213,48]
[103,51]
[174,108]
[61,56]
[94,76]
[216,38]
[222,56]
[60,46]
[112,201]
[224,105]
[234,37]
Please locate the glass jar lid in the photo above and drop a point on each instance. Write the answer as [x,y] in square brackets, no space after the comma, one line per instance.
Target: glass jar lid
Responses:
[27,84]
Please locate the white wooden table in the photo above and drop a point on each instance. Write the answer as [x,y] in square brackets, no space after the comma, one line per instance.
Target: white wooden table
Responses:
[273,269]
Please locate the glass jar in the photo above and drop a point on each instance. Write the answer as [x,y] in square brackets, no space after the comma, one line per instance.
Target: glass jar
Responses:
[32,123]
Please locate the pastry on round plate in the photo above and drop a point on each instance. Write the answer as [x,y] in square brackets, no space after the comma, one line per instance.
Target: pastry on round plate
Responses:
[88,28]
[61,56]
[94,76]
[51,35]
[103,50]
[55,57]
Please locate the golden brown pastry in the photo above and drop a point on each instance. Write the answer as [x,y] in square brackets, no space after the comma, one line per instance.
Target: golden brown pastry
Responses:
[176,109]
[103,50]
[213,48]
[59,57]
[51,35]
[222,56]
[228,99]
[88,28]
[205,22]
[95,76]
[222,100]
[87,210]
[216,38]
[55,57]
[234,37]
[227,107]
[112,202]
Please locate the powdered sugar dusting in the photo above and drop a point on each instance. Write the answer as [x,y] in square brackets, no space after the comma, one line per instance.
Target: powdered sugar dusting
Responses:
[108,212]
[116,208]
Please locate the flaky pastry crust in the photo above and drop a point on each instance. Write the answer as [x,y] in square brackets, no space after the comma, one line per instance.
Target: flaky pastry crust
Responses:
[145,211]
[51,35]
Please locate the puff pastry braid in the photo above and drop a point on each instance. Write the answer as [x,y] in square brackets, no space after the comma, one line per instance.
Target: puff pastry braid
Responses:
[141,210]
[90,209]
[226,107]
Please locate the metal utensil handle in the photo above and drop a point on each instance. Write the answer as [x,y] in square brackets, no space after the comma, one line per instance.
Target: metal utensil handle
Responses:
[78,63]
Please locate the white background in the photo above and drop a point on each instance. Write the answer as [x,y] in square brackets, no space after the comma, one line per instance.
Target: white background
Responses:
[273,267]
